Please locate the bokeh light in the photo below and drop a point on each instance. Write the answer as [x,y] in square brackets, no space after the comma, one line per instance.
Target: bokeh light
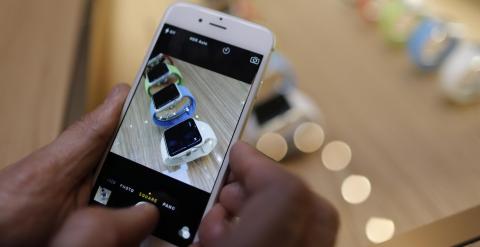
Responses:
[272,145]
[379,230]
[356,189]
[308,137]
[336,155]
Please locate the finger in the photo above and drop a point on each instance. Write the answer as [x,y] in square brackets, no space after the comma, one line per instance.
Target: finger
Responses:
[108,227]
[232,197]
[84,190]
[214,226]
[269,214]
[231,177]
[324,223]
[253,169]
[76,151]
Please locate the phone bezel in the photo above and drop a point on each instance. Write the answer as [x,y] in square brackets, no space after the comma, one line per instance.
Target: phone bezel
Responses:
[237,32]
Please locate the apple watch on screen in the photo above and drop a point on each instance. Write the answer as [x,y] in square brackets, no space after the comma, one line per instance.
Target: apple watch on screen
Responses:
[182,136]
[160,58]
[166,96]
[161,73]
[166,106]
[186,142]
[430,44]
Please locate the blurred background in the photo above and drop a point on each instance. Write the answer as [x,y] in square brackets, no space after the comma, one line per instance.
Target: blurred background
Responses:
[399,143]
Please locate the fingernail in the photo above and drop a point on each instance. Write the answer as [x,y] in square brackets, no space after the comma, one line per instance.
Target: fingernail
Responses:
[147,207]
[141,203]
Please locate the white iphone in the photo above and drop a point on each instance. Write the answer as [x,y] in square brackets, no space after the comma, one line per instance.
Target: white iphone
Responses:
[188,105]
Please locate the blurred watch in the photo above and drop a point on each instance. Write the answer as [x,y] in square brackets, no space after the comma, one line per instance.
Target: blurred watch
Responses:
[460,74]
[370,9]
[431,43]
[398,19]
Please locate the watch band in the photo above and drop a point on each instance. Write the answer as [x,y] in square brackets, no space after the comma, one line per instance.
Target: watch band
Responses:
[170,119]
[397,20]
[460,74]
[369,9]
[209,141]
[467,89]
[430,44]
[172,71]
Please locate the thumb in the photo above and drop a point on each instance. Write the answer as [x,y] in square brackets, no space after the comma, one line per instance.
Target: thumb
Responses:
[97,226]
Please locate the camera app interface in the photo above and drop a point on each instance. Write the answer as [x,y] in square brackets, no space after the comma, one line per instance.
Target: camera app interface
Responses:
[178,126]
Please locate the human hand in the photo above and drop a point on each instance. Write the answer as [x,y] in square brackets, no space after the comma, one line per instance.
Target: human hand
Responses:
[95,226]
[39,192]
[263,205]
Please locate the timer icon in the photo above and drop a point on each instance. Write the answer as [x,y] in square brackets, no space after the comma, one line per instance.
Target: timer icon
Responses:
[226,50]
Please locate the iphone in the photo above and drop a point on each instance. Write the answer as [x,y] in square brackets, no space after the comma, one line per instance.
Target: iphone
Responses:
[187,106]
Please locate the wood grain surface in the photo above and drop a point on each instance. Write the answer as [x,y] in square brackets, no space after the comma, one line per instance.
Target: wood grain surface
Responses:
[419,152]
[219,103]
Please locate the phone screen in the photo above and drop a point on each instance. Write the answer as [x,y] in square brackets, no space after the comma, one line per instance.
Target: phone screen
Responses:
[165,96]
[172,156]
[182,137]
[156,71]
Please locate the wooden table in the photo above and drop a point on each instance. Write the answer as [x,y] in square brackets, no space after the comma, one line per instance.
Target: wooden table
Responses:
[38,44]
[419,152]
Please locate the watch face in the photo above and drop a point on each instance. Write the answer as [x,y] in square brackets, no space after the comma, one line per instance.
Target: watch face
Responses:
[270,108]
[182,136]
[165,96]
[153,61]
[157,71]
